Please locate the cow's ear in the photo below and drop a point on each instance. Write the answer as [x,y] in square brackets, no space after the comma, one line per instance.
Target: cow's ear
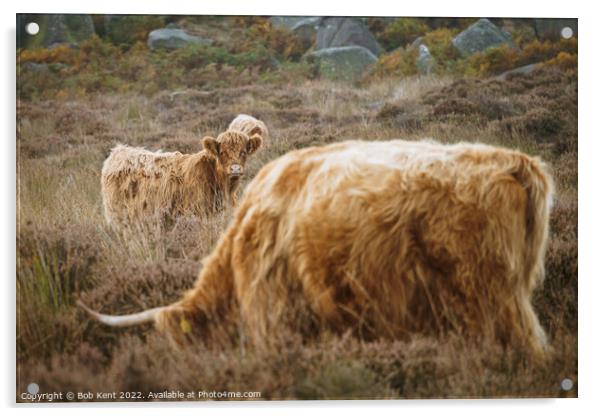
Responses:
[211,145]
[254,143]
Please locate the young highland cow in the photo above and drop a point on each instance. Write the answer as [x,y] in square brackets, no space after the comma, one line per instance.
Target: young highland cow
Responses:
[138,184]
[384,238]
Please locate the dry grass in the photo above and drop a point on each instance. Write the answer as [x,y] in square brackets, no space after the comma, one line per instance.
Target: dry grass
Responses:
[65,250]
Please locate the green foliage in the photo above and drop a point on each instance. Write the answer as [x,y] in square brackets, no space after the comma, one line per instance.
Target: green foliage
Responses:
[402,32]
[52,268]
[493,61]
[99,66]
[400,62]
[285,44]
[128,29]
[197,56]
[439,42]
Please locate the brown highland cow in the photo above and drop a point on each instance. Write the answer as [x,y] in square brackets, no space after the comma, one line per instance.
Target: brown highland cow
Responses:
[138,184]
[381,238]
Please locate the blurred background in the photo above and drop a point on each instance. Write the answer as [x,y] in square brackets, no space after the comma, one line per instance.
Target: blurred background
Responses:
[78,54]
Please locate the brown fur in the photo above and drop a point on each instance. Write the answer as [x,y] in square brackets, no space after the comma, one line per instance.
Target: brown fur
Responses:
[383,238]
[138,184]
[250,126]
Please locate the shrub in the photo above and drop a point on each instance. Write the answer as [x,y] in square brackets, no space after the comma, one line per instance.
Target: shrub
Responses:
[401,62]
[60,54]
[440,45]
[493,60]
[496,60]
[285,44]
[563,60]
[126,30]
[537,51]
[402,32]
[198,56]
[53,266]
[340,380]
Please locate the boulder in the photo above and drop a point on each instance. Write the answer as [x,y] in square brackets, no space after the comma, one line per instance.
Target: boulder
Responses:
[43,67]
[173,39]
[425,61]
[306,28]
[55,29]
[290,22]
[417,42]
[551,29]
[346,31]
[347,63]
[523,70]
[480,36]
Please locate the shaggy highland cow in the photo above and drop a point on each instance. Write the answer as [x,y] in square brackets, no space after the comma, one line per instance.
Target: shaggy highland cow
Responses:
[383,238]
[138,184]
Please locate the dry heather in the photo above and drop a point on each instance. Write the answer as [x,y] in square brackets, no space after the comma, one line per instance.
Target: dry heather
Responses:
[66,251]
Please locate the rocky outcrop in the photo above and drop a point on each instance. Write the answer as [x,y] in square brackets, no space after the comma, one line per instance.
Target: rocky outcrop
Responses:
[171,38]
[425,62]
[347,63]
[523,70]
[480,36]
[346,31]
[306,28]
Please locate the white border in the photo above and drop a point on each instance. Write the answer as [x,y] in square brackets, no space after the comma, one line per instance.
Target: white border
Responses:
[589,194]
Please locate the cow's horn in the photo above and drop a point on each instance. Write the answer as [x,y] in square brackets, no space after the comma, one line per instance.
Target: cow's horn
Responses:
[123,320]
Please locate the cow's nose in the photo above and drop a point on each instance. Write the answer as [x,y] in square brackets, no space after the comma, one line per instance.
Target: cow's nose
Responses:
[236,170]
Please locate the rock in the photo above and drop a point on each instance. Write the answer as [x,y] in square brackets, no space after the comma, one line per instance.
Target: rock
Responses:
[526,69]
[346,31]
[173,39]
[480,36]
[43,67]
[55,29]
[342,63]
[551,29]
[35,67]
[425,61]
[306,28]
[417,42]
[290,22]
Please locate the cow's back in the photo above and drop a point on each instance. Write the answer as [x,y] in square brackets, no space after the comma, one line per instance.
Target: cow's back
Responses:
[135,181]
[388,237]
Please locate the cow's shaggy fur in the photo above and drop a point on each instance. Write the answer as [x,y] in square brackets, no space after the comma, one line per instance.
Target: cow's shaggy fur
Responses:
[138,184]
[250,126]
[381,238]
